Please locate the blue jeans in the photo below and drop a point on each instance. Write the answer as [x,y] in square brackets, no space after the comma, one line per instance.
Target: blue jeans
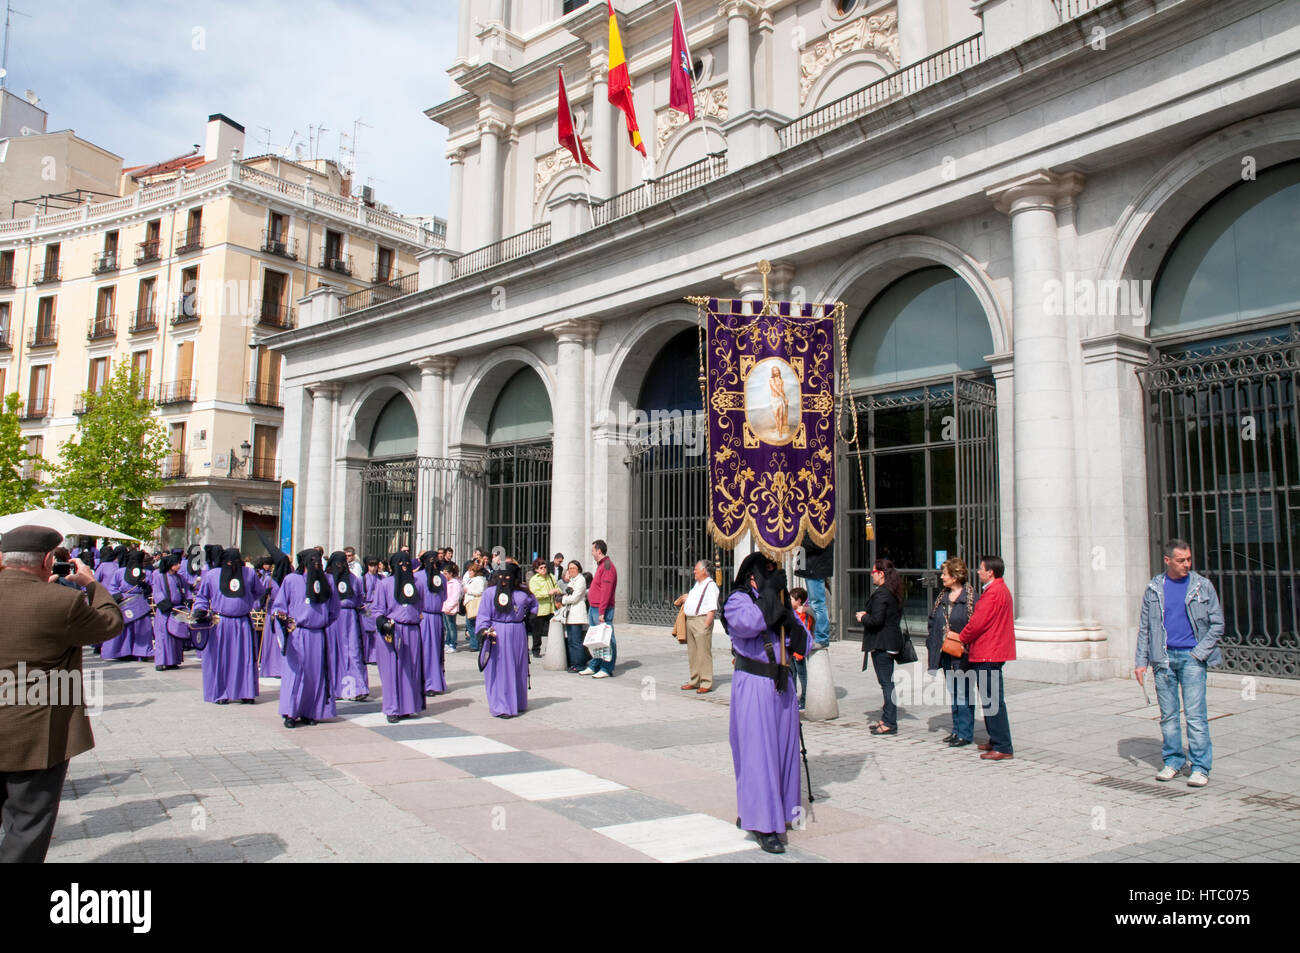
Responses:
[472,631]
[577,652]
[800,667]
[883,663]
[961,685]
[988,676]
[449,628]
[594,617]
[1189,674]
[817,604]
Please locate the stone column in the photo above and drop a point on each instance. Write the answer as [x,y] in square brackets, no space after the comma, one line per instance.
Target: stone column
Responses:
[463,27]
[320,465]
[1048,544]
[456,200]
[431,441]
[569,448]
[740,78]
[489,171]
[602,128]
[911,31]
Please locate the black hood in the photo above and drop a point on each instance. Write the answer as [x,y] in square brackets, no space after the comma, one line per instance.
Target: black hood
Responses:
[403,579]
[318,587]
[338,569]
[232,572]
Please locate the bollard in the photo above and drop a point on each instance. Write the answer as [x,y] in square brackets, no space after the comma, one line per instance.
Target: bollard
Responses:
[821,702]
[556,657]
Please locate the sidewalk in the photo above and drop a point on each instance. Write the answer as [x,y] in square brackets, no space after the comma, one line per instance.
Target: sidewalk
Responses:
[632,769]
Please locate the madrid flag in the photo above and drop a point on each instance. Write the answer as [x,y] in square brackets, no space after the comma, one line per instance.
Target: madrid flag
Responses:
[620,83]
[681,78]
[568,137]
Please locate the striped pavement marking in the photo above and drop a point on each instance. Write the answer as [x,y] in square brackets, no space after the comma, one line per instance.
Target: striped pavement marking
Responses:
[672,840]
[455,747]
[548,785]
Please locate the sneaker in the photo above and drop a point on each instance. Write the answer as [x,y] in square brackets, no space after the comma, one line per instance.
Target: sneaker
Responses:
[451,648]
[1167,773]
[1197,780]
[601,674]
[586,671]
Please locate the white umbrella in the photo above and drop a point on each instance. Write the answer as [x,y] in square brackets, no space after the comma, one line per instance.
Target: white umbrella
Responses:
[65,523]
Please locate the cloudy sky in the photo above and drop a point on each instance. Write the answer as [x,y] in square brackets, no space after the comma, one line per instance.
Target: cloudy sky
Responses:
[140,79]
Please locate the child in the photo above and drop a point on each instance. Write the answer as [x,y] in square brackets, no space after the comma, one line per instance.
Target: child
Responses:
[799,602]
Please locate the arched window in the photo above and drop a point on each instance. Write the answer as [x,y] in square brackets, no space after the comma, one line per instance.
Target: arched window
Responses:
[1236,260]
[925,324]
[522,411]
[396,430]
[672,382]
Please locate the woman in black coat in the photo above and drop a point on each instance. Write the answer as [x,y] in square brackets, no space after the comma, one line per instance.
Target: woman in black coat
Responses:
[952,610]
[882,638]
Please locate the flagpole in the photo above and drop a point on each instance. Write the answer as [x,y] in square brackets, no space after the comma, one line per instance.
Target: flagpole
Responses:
[690,61]
[586,180]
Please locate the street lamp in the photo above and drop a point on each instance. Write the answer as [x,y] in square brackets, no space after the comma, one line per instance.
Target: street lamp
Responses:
[238,463]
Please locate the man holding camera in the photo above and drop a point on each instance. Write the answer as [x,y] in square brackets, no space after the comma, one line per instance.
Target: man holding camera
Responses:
[45,629]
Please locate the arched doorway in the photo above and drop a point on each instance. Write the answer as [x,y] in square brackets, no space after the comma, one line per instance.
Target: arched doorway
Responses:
[517,510]
[927,418]
[669,490]
[1223,412]
[390,480]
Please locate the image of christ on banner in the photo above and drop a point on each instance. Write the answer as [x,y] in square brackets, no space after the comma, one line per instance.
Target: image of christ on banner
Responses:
[770,399]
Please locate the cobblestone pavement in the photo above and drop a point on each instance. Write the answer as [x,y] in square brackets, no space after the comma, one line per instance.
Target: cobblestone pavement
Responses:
[633,769]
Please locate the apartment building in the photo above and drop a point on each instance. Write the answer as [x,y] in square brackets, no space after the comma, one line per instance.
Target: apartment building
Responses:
[197,260]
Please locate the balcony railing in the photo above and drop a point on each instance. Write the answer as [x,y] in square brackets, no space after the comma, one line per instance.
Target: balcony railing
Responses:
[144,319]
[711,167]
[263,468]
[264,394]
[903,82]
[147,251]
[176,392]
[399,286]
[103,262]
[44,335]
[31,471]
[83,403]
[271,314]
[516,246]
[189,240]
[187,311]
[173,466]
[7,280]
[278,244]
[36,409]
[47,273]
[101,326]
[333,263]
[5,343]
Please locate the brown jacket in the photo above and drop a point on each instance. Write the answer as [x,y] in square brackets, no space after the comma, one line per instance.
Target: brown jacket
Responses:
[45,626]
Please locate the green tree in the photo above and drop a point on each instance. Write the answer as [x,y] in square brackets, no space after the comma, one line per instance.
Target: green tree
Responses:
[108,468]
[19,491]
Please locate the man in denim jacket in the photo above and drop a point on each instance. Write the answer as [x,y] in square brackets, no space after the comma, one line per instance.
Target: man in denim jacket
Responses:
[1178,636]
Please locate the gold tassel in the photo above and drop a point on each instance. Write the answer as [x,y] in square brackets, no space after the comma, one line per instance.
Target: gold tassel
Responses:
[871,530]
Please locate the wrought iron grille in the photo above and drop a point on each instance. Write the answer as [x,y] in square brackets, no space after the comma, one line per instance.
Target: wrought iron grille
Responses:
[518,500]
[388,506]
[1223,464]
[380,293]
[424,503]
[712,166]
[515,246]
[669,516]
[929,455]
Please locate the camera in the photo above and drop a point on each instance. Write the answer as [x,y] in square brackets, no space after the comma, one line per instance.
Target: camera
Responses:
[62,569]
[568,590]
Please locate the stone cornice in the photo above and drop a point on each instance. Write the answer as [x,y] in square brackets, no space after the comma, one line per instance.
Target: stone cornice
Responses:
[441,365]
[581,331]
[1117,346]
[1039,189]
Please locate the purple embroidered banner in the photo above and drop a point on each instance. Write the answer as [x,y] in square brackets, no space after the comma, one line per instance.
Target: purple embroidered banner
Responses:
[770,397]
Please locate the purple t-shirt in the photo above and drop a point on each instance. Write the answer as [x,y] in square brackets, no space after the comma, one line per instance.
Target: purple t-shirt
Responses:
[1178,627]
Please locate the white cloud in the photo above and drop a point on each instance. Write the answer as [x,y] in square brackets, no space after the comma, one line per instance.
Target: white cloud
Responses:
[140,80]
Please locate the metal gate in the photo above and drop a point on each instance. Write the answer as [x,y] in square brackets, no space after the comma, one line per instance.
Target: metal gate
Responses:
[422,503]
[1223,465]
[930,459]
[518,500]
[388,506]
[669,515]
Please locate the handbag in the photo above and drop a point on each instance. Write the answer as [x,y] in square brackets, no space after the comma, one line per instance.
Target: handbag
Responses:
[952,645]
[907,651]
[679,625]
[598,636]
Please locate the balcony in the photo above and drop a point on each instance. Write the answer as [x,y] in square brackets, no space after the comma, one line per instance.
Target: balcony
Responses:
[45,334]
[144,319]
[101,263]
[101,326]
[31,471]
[515,246]
[264,394]
[187,311]
[7,281]
[399,286]
[330,261]
[5,343]
[36,409]
[277,244]
[282,317]
[173,467]
[83,403]
[47,273]
[176,392]
[264,468]
[189,240]
[146,252]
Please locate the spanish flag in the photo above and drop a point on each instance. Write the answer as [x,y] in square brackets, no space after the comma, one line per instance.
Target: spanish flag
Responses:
[620,83]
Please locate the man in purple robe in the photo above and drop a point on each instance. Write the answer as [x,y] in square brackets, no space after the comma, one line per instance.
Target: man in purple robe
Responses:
[351,680]
[397,620]
[271,656]
[432,587]
[231,591]
[764,703]
[506,609]
[131,590]
[369,586]
[168,594]
[308,599]
[108,564]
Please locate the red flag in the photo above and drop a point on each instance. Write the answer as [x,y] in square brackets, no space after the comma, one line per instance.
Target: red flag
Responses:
[620,82]
[681,78]
[568,137]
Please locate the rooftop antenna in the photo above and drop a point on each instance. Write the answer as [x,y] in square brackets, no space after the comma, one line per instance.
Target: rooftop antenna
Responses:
[351,151]
[267,149]
[4,66]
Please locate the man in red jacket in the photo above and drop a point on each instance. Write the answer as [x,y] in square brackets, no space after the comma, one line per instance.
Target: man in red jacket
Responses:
[600,608]
[991,635]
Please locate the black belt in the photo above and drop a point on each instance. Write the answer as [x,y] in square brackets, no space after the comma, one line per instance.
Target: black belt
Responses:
[224,616]
[746,664]
[310,628]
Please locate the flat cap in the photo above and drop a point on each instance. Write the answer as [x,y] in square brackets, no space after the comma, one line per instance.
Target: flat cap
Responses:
[30,539]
